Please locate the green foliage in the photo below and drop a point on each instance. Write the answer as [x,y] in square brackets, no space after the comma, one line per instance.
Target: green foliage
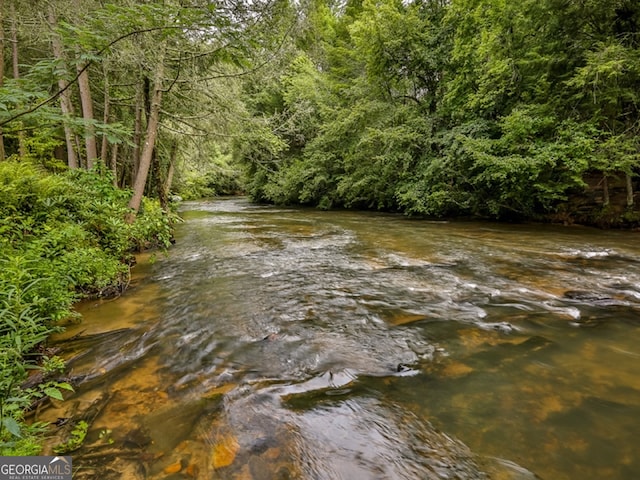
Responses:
[75,441]
[153,227]
[52,365]
[440,185]
[215,175]
[62,236]
[214,182]
[403,47]
[261,151]
[487,108]
[23,327]
[27,445]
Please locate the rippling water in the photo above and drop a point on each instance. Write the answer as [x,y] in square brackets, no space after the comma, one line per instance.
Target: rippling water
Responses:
[287,343]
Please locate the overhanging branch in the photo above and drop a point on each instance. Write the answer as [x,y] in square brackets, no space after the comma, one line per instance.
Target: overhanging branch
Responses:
[87,65]
[80,72]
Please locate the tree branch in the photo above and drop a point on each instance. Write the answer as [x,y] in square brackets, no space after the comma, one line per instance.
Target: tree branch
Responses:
[82,70]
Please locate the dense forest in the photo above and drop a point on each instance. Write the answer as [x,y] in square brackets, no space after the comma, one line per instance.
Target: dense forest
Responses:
[509,110]
[463,108]
[525,110]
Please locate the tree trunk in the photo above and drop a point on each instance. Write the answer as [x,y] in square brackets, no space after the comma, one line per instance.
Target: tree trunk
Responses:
[105,118]
[2,154]
[172,161]
[87,115]
[160,183]
[114,163]
[76,142]
[22,149]
[137,135]
[630,202]
[124,173]
[605,191]
[149,142]
[66,105]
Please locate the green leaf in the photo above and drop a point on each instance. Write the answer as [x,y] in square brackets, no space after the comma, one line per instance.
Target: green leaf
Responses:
[12,426]
[53,393]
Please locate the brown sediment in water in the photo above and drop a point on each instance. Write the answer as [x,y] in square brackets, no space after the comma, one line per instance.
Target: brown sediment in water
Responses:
[478,313]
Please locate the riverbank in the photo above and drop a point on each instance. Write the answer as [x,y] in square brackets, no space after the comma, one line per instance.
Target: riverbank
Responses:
[63,237]
[595,201]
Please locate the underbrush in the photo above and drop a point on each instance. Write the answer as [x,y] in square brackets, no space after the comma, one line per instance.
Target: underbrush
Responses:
[62,237]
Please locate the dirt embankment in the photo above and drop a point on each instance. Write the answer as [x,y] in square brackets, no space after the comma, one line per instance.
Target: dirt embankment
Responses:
[590,206]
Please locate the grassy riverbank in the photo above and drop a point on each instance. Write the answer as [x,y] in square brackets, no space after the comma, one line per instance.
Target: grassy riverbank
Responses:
[63,237]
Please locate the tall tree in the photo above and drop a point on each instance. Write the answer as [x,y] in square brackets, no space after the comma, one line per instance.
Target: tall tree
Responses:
[66,104]
[150,137]
[2,152]
[138,108]
[15,62]
[86,101]
[198,46]
[106,107]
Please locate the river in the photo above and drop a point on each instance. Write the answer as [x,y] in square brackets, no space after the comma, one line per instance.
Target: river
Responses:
[276,343]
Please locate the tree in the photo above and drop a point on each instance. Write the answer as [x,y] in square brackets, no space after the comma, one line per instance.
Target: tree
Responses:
[16,70]
[2,152]
[86,102]
[480,107]
[607,86]
[66,104]
[150,138]
[158,61]
[404,49]
[226,34]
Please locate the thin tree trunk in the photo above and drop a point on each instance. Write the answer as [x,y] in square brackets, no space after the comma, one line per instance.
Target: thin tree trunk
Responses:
[172,162]
[2,153]
[161,183]
[81,162]
[149,142]
[137,135]
[630,201]
[605,191]
[66,105]
[124,173]
[114,163]
[22,149]
[105,118]
[87,114]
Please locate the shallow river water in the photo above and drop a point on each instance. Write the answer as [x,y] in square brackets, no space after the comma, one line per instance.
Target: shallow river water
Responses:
[290,343]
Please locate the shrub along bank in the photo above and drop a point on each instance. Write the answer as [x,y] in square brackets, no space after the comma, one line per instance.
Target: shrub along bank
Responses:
[62,237]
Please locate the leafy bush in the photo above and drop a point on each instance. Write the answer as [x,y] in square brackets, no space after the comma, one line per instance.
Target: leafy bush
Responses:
[23,326]
[153,226]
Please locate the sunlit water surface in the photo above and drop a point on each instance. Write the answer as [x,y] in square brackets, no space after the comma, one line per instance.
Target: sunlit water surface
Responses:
[286,343]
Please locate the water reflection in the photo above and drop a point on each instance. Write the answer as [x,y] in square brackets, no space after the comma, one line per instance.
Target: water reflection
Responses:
[284,343]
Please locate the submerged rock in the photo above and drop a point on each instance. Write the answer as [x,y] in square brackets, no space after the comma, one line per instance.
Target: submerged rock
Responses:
[258,437]
[137,438]
[594,298]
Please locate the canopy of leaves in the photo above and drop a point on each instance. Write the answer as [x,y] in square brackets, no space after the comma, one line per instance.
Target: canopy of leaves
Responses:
[464,107]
